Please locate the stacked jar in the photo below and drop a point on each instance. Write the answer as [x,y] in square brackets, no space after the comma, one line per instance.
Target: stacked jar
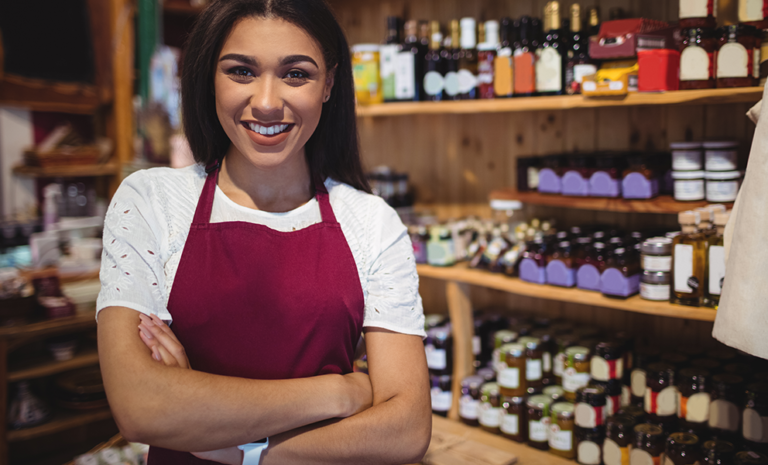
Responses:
[656,260]
[438,347]
[722,175]
[687,171]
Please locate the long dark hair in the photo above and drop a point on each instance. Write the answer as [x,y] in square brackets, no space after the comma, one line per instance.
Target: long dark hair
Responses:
[333,149]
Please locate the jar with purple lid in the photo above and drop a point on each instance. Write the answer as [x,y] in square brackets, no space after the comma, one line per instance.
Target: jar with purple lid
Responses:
[588,274]
[621,277]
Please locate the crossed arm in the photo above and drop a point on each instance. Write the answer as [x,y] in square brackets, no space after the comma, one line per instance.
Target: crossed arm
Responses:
[188,410]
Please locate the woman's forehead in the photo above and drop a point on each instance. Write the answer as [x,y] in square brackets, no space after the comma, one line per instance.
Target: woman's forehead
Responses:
[265,38]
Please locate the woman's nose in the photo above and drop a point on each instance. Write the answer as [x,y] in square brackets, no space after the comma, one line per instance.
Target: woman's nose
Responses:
[266,99]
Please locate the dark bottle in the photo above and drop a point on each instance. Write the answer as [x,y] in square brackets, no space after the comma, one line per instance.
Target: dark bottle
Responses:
[682,449]
[594,21]
[578,64]
[486,59]
[388,57]
[409,69]
[503,71]
[451,55]
[434,67]
[550,65]
[525,57]
[468,88]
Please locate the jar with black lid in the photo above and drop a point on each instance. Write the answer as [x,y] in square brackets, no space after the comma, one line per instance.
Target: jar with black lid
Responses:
[561,430]
[717,452]
[638,413]
[682,449]
[514,424]
[755,417]
[619,433]
[608,362]
[590,407]
[441,394]
[697,58]
[693,399]
[648,444]
[589,444]
[724,411]
[750,458]
[469,402]
[643,358]
[534,361]
[612,390]
[661,395]
[538,421]
[511,377]
[737,46]
[439,351]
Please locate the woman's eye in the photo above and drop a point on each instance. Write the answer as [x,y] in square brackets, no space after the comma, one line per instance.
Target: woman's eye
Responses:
[240,73]
[296,75]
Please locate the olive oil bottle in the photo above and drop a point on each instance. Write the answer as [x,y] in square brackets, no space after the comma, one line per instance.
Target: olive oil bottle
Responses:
[716,261]
[689,262]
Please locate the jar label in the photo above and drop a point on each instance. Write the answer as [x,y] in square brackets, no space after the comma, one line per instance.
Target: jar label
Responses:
[733,61]
[751,10]
[503,74]
[657,263]
[559,364]
[436,358]
[724,415]
[588,453]
[722,191]
[549,70]
[485,72]
[626,395]
[754,426]
[405,76]
[387,56]
[579,71]
[587,416]
[694,409]
[657,292]
[662,403]
[667,460]
[606,370]
[686,160]
[510,424]
[720,160]
[697,8]
[468,408]
[476,345]
[434,83]
[441,253]
[452,83]
[560,439]
[612,405]
[683,268]
[613,454]
[638,383]
[490,416]
[533,369]
[441,400]
[716,269]
[641,457]
[538,431]
[689,189]
[509,378]
[546,360]
[695,65]
[572,380]
[467,81]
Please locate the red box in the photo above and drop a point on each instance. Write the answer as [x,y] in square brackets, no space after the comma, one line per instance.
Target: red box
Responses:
[619,38]
[659,70]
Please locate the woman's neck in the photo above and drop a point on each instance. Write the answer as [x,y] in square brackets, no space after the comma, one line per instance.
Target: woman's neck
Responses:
[278,189]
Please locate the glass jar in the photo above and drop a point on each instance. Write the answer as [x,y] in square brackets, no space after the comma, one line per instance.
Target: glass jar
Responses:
[563,342]
[608,362]
[682,449]
[538,421]
[439,351]
[655,285]
[469,403]
[556,393]
[613,393]
[490,408]
[739,49]
[561,430]
[648,444]
[533,266]
[640,180]
[501,338]
[697,13]
[687,156]
[440,248]
[511,378]
[755,416]
[577,371]
[721,156]
[441,394]
[724,412]
[643,358]
[723,186]
[689,185]
[618,436]
[513,422]
[717,452]
[750,458]
[661,393]
[534,361]
[621,277]
[365,70]
[419,239]
[561,267]
[693,399]
[590,407]
[589,445]
[606,179]
[697,60]
[656,254]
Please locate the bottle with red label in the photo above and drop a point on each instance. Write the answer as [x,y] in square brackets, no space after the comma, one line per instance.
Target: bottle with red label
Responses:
[590,409]
[486,57]
[738,60]
[697,59]
[693,400]
[661,394]
[698,13]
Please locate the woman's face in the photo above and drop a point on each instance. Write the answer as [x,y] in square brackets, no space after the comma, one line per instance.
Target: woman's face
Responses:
[270,84]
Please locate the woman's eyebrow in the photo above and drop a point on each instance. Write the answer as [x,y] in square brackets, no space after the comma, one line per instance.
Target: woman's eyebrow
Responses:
[290,59]
[241,58]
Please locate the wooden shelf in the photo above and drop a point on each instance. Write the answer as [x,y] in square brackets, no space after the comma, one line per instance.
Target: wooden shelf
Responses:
[83,358]
[662,204]
[40,95]
[48,327]
[565,102]
[462,274]
[62,420]
[106,169]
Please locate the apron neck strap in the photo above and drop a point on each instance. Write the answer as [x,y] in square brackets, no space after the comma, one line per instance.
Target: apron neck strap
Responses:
[205,203]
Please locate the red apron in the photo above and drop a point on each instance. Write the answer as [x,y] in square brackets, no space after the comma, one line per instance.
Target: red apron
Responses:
[252,302]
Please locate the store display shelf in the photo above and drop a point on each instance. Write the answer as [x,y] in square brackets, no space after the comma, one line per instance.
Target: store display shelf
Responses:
[40,95]
[565,102]
[462,274]
[661,204]
[48,327]
[62,420]
[84,358]
[106,169]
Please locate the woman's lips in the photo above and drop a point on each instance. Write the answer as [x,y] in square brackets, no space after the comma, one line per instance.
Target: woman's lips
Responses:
[267,140]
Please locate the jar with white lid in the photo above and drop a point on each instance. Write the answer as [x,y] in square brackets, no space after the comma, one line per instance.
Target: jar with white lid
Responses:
[686,156]
[723,186]
[656,254]
[654,285]
[721,156]
[689,185]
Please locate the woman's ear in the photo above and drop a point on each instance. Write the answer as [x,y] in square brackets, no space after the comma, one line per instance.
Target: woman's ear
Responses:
[330,78]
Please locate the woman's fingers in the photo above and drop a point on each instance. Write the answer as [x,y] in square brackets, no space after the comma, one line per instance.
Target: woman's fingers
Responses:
[151,344]
[161,324]
[167,358]
[169,344]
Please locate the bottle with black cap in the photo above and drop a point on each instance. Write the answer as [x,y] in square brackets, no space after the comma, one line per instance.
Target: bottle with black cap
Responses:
[468,89]
[434,66]
[451,55]
[578,63]
[388,56]
[525,57]
[550,63]
[503,71]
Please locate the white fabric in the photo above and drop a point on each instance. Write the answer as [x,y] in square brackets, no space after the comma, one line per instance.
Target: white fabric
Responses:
[149,218]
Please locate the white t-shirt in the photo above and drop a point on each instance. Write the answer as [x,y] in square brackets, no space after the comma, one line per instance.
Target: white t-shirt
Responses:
[148,221]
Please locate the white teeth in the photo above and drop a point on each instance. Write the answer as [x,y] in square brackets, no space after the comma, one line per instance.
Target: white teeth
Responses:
[271,130]
[263,130]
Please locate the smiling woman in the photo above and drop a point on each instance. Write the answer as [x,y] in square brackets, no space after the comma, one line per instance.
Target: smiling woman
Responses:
[270,258]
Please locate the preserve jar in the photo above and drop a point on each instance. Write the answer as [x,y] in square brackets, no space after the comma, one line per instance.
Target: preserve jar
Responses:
[682,449]
[693,399]
[641,181]
[619,430]
[722,186]
[608,362]
[549,350]
[613,393]
[514,425]
[561,430]
[697,13]
[656,254]
[689,185]
[534,361]
[721,156]
[655,285]
[755,416]
[563,342]
[538,421]
[589,443]
[439,351]
[557,393]
[739,49]
[725,411]
[643,358]
[469,402]
[577,371]
[661,393]
[717,452]
[590,409]
[697,60]
[501,338]
[511,379]
[441,394]
[648,444]
[490,408]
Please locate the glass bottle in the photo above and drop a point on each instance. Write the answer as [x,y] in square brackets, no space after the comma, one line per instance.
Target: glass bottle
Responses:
[550,62]
[689,262]
[388,57]
[594,21]
[468,89]
[503,72]
[525,58]
[452,53]
[486,58]
[578,63]
[409,65]
[716,261]
[434,66]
